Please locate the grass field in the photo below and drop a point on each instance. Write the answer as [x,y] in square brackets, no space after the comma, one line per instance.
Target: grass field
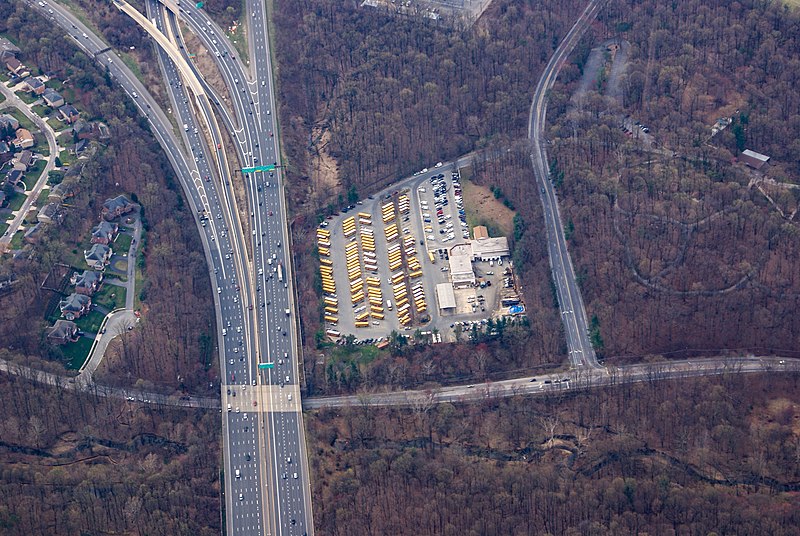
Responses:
[77,352]
[122,244]
[16,240]
[32,175]
[15,203]
[110,296]
[91,322]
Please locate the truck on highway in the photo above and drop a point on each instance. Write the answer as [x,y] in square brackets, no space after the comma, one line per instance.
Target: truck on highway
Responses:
[280,272]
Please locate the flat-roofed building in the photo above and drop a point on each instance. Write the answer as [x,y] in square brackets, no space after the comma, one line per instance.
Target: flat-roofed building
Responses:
[446,297]
[487,249]
[461,272]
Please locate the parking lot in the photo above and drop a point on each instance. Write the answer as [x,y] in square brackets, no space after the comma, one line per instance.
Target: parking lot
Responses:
[382,258]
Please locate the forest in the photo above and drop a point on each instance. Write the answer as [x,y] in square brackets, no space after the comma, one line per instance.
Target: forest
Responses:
[677,255]
[709,456]
[175,338]
[678,249]
[365,98]
[84,464]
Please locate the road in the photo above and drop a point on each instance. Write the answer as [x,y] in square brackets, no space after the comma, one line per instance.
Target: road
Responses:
[279,453]
[33,195]
[573,312]
[563,382]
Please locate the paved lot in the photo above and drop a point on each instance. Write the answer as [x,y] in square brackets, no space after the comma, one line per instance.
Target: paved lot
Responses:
[431,224]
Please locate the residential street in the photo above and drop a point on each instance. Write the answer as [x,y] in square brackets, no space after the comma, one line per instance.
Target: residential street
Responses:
[119,321]
[13,101]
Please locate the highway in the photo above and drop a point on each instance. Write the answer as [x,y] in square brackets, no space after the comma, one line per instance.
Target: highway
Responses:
[570,302]
[280,453]
[243,478]
[224,250]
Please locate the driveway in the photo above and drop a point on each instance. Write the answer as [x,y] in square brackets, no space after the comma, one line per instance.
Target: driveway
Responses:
[117,322]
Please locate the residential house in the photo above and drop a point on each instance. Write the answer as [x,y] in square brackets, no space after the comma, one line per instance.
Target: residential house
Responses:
[75,306]
[113,208]
[16,68]
[63,190]
[98,256]
[33,233]
[53,98]
[79,147]
[34,85]
[14,177]
[8,49]
[50,213]
[104,233]
[88,282]
[5,152]
[68,113]
[24,139]
[84,130]
[9,122]
[24,158]
[62,332]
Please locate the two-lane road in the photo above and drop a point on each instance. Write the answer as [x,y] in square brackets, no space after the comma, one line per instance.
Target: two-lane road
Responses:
[570,302]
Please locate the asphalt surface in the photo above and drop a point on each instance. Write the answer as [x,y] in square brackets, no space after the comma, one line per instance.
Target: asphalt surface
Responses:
[223,249]
[560,383]
[573,312]
[278,452]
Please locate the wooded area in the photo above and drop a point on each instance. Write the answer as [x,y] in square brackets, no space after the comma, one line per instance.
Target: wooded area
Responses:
[83,464]
[709,456]
[676,255]
[175,337]
[366,98]
[676,249]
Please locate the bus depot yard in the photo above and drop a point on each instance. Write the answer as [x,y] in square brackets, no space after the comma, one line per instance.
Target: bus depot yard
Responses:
[403,260]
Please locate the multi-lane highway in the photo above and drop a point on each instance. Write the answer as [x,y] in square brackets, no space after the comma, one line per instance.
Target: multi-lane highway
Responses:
[280,445]
[570,302]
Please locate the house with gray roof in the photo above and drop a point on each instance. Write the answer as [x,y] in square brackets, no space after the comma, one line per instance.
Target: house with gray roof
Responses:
[68,113]
[62,332]
[53,98]
[104,233]
[34,85]
[50,214]
[117,206]
[98,256]
[75,306]
[88,282]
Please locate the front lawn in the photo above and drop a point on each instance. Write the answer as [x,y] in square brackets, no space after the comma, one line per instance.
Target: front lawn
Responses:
[77,352]
[3,228]
[41,110]
[122,244]
[40,202]
[16,240]
[32,175]
[91,322]
[27,98]
[15,203]
[110,296]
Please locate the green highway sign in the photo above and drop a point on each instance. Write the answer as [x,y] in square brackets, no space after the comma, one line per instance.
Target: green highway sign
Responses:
[263,366]
[257,168]
[199,5]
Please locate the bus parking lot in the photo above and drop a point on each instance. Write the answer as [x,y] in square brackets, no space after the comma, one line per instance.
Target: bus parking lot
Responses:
[385,263]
